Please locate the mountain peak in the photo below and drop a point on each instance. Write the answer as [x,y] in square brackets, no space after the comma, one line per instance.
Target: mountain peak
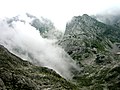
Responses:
[85,15]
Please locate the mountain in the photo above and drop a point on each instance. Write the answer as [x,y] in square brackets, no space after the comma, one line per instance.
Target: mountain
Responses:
[86,34]
[82,35]
[88,60]
[17,74]
[91,44]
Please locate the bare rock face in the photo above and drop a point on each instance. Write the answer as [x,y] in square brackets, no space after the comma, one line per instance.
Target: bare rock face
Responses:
[16,74]
[85,35]
[90,43]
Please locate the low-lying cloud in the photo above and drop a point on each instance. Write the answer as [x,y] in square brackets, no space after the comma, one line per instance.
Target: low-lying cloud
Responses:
[25,41]
[110,16]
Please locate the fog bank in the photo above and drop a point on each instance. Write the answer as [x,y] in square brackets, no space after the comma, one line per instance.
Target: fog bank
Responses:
[25,41]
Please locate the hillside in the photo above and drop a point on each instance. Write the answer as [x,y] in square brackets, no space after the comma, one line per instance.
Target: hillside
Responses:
[16,74]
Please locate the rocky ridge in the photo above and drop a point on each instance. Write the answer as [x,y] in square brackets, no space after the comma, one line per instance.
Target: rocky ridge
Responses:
[90,43]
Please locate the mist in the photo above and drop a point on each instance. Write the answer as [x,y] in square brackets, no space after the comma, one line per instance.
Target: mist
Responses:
[110,16]
[25,41]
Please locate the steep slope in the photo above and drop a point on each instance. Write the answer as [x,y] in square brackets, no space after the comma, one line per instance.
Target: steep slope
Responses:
[85,34]
[16,74]
[90,43]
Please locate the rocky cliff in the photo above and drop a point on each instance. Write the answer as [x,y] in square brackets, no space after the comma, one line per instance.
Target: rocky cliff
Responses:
[85,34]
[90,43]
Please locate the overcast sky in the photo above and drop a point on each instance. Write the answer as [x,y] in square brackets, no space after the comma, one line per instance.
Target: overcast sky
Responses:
[59,11]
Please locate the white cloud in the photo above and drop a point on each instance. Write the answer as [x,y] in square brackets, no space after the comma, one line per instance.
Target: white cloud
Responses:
[26,42]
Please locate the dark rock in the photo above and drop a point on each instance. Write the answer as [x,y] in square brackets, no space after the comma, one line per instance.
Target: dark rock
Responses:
[2,85]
